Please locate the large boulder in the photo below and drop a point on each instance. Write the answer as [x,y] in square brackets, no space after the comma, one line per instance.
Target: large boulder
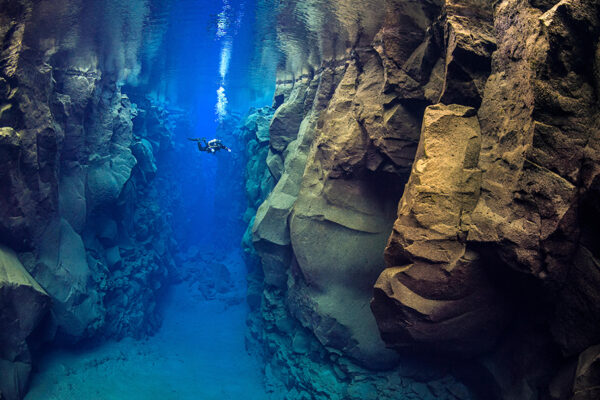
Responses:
[62,270]
[341,201]
[107,176]
[23,305]
[335,281]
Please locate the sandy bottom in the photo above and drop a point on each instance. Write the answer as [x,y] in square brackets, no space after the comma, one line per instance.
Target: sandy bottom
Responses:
[197,354]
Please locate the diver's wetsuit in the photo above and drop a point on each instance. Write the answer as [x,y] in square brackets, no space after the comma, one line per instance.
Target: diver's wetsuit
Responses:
[211,146]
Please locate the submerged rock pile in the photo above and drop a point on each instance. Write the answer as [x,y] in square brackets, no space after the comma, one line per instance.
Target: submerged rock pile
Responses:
[207,275]
[468,130]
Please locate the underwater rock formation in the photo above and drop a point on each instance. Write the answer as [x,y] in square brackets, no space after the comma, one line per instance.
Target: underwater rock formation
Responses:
[75,176]
[322,230]
[488,113]
[526,210]
[24,303]
[443,299]
[258,184]
[423,195]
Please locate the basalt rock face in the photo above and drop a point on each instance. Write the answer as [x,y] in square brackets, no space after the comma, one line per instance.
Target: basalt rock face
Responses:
[322,231]
[259,183]
[494,229]
[486,114]
[463,311]
[75,175]
[320,235]
[132,244]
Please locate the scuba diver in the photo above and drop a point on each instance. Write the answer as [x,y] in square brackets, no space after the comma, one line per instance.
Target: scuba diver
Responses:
[211,146]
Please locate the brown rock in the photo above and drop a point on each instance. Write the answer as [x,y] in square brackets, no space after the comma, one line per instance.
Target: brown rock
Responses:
[286,121]
[534,189]
[586,385]
[470,41]
[438,294]
[502,202]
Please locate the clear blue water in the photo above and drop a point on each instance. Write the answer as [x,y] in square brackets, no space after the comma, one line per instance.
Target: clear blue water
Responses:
[211,46]
[195,55]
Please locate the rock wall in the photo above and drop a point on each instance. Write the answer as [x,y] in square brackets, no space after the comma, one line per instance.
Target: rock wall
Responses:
[497,235]
[467,130]
[296,360]
[259,183]
[341,148]
[79,202]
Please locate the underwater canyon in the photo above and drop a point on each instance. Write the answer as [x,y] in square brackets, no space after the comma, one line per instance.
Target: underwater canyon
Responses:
[405,203]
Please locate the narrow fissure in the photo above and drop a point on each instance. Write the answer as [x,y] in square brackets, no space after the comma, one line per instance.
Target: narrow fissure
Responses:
[217,200]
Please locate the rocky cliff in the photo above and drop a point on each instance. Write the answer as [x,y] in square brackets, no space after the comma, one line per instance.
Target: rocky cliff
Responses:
[79,202]
[436,170]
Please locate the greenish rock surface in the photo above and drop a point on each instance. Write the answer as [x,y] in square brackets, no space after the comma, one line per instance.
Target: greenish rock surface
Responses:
[24,305]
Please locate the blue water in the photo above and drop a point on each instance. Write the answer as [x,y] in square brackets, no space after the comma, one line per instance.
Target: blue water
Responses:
[204,57]
[200,60]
